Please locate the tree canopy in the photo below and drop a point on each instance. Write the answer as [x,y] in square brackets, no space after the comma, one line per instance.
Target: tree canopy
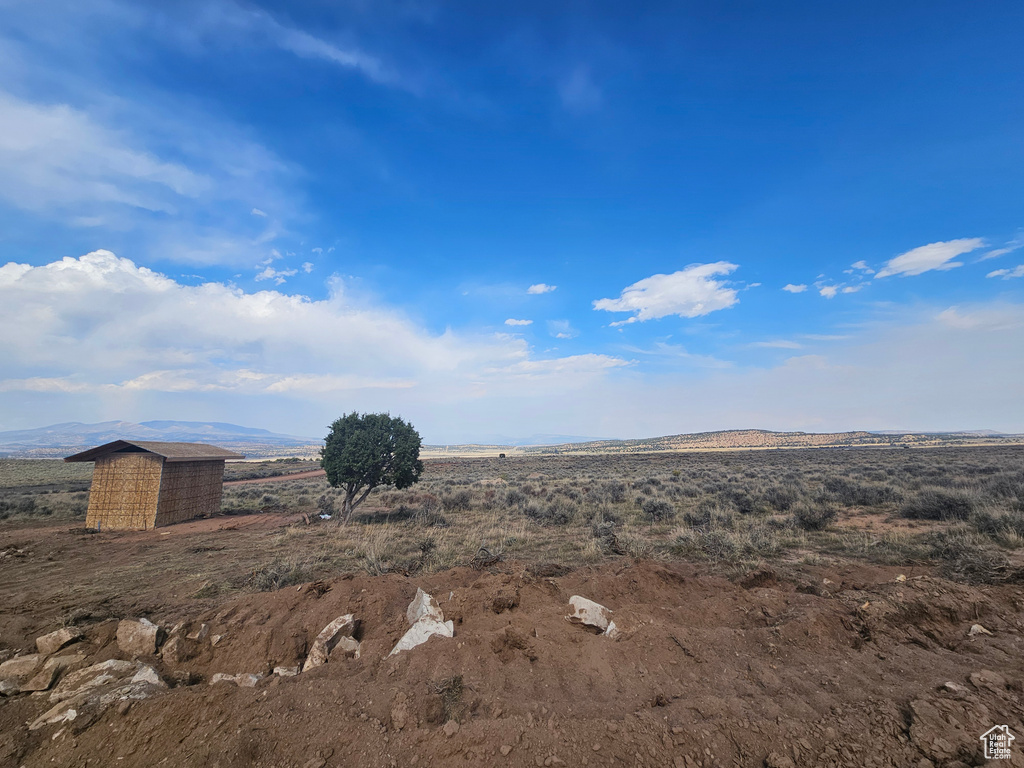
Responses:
[364,451]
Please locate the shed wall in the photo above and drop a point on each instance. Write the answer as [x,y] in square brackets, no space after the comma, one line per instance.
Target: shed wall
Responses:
[125,492]
[189,489]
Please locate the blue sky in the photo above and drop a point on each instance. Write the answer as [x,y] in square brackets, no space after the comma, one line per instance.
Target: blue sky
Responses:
[511,219]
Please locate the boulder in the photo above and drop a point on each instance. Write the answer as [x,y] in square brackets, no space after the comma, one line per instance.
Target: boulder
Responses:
[179,649]
[138,637]
[422,631]
[20,668]
[286,671]
[977,629]
[427,620]
[593,615]
[91,690]
[200,634]
[423,606]
[54,641]
[52,669]
[331,636]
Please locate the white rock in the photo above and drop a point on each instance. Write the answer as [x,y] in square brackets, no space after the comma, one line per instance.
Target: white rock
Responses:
[54,641]
[977,629]
[423,606]
[148,675]
[286,671]
[329,637]
[97,687]
[138,637]
[588,612]
[422,631]
[243,680]
[200,634]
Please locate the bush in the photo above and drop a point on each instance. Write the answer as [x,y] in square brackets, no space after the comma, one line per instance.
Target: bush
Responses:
[850,493]
[459,501]
[558,512]
[658,509]
[814,517]
[938,505]
[709,514]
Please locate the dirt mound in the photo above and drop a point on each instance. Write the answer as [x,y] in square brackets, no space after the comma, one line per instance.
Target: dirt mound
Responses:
[844,668]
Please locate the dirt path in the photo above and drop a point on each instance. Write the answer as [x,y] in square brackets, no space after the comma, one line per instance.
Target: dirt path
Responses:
[276,478]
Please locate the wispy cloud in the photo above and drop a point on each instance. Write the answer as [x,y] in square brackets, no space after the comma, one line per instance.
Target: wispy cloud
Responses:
[277,275]
[1008,274]
[562,329]
[934,256]
[541,288]
[690,292]
[1014,245]
[514,321]
[794,288]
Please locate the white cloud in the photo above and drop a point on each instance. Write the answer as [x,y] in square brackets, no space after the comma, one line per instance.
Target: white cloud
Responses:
[937,256]
[103,326]
[514,321]
[794,288]
[862,266]
[852,288]
[1008,274]
[690,292]
[279,276]
[1014,245]
[258,212]
[829,291]
[541,288]
[307,267]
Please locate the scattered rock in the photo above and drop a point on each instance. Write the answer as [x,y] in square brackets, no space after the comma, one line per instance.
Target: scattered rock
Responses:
[956,688]
[52,669]
[89,691]
[243,680]
[330,637]
[286,671]
[200,634]
[777,760]
[54,641]
[593,615]
[505,749]
[427,620]
[399,712]
[977,629]
[422,631]
[986,678]
[450,728]
[138,637]
[216,640]
[901,578]
[179,649]
[14,672]
[423,606]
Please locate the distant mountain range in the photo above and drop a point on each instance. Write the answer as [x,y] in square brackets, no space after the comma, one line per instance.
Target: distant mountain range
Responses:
[61,439]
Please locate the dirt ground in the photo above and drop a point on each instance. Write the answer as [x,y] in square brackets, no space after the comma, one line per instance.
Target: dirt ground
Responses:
[804,665]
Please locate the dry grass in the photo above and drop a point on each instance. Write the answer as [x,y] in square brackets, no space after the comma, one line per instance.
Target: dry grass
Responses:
[739,509]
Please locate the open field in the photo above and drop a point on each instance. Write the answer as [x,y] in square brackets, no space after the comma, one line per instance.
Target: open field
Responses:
[760,594]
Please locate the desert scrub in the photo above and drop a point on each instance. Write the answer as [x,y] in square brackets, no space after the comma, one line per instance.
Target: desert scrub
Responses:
[658,509]
[938,505]
[814,517]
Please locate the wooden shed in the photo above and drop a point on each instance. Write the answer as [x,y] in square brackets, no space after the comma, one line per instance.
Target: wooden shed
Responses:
[140,484]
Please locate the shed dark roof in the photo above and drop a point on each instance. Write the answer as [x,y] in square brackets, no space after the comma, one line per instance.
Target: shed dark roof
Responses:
[170,451]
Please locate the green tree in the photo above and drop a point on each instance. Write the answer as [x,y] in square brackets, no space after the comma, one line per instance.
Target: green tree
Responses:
[364,451]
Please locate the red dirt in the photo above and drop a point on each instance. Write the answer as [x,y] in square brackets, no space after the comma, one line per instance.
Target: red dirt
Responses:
[278,478]
[767,669]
